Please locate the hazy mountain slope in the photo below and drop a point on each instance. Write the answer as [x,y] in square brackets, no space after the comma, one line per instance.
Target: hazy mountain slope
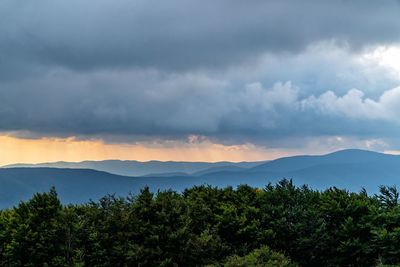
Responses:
[350,169]
[167,174]
[344,156]
[73,185]
[81,185]
[137,168]
[219,169]
[352,176]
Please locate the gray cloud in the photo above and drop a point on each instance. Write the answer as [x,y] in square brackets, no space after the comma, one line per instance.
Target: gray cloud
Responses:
[133,104]
[181,35]
[132,70]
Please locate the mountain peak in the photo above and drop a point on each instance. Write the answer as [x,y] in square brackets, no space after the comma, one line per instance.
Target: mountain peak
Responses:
[356,154]
[352,151]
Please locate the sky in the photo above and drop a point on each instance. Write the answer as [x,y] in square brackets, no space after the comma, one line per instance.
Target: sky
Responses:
[192,80]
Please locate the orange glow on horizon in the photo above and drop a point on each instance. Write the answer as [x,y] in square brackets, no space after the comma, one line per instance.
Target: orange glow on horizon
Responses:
[17,150]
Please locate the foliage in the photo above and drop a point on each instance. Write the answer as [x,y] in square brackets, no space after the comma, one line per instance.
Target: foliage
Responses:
[279,225]
[262,257]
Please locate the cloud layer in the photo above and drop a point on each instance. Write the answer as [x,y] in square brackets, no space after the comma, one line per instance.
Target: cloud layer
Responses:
[183,34]
[270,73]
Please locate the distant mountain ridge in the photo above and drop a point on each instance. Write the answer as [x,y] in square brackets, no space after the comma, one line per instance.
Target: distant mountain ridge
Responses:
[342,156]
[138,168]
[349,169]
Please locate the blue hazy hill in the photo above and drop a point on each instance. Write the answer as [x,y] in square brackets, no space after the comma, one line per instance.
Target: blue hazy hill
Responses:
[348,169]
[81,185]
[348,156]
[138,168]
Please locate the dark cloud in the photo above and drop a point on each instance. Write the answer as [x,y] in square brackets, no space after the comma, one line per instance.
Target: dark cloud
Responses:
[182,34]
[131,105]
[129,70]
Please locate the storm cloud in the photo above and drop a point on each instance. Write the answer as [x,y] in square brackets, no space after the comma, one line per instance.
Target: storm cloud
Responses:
[262,72]
[179,34]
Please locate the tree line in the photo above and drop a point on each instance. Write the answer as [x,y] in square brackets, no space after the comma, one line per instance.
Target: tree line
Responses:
[279,225]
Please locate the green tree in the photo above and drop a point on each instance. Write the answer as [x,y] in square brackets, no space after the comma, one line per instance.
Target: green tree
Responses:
[35,238]
[262,257]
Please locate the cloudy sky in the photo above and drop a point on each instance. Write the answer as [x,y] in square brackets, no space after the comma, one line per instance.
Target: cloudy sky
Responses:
[197,80]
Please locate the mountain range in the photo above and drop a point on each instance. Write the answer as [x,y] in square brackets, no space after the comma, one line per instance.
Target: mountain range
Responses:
[138,168]
[79,182]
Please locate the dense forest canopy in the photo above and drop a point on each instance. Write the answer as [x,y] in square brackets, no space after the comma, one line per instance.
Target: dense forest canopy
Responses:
[279,225]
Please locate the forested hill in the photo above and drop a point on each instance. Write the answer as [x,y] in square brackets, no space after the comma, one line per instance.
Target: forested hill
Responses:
[279,225]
